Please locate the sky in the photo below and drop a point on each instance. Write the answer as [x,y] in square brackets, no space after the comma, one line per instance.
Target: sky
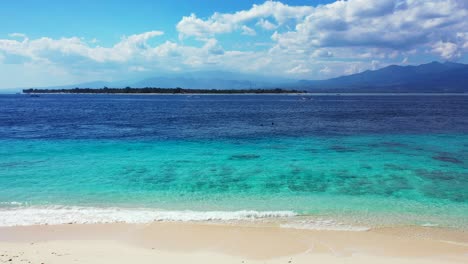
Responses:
[56,42]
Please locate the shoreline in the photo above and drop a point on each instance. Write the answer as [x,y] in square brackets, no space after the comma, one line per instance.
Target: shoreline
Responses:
[307,94]
[15,215]
[227,243]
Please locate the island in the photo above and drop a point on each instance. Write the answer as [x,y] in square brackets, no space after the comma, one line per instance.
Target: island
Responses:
[154,90]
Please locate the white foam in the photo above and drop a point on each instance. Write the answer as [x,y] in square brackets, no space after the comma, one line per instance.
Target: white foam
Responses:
[22,216]
[323,224]
[12,203]
[429,225]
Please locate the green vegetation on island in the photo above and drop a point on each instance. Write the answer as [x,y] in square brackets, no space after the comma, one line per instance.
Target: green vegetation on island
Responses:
[154,90]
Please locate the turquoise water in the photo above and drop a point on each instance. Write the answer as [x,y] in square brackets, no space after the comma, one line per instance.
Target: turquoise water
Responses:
[369,180]
[304,161]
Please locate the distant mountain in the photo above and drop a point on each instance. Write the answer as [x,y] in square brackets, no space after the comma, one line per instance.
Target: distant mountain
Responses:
[202,83]
[96,84]
[192,80]
[212,80]
[431,77]
[10,90]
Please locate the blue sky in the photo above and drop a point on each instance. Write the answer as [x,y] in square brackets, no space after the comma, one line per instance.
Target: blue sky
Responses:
[64,42]
[109,20]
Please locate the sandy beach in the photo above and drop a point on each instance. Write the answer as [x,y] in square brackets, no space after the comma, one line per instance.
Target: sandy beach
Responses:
[227,243]
[222,132]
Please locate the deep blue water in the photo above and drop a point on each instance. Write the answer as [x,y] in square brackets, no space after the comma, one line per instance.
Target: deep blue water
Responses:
[230,116]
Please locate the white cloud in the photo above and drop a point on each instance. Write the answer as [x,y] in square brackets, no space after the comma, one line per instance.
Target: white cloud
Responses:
[220,23]
[299,69]
[352,69]
[446,50]
[167,49]
[248,31]
[17,35]
[325,70]
[384,24]
[321,53]
[212,47]
[57,50]
[193,26]
[137,69]
[462,40]
[266,24]
[375,65]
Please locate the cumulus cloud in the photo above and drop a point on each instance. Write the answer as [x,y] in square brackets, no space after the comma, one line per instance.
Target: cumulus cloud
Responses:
[299,69]
[325,70]
[248,31]
[212,46]
[266,24]
[386,24]
[58,50]
[137,69]
[132,53]
[17,35]
[352,69]
[446,50]
[220,23]
[194,26]
[321,53]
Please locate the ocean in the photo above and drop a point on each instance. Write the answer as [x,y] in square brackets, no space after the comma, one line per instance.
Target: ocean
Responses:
[334,162]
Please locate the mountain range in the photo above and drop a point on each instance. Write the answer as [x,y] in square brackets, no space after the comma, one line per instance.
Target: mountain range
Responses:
[432,77]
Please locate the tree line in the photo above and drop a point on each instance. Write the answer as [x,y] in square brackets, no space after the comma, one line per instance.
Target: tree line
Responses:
[154,90]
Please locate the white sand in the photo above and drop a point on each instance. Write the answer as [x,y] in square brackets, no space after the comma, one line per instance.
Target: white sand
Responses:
[205,243]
